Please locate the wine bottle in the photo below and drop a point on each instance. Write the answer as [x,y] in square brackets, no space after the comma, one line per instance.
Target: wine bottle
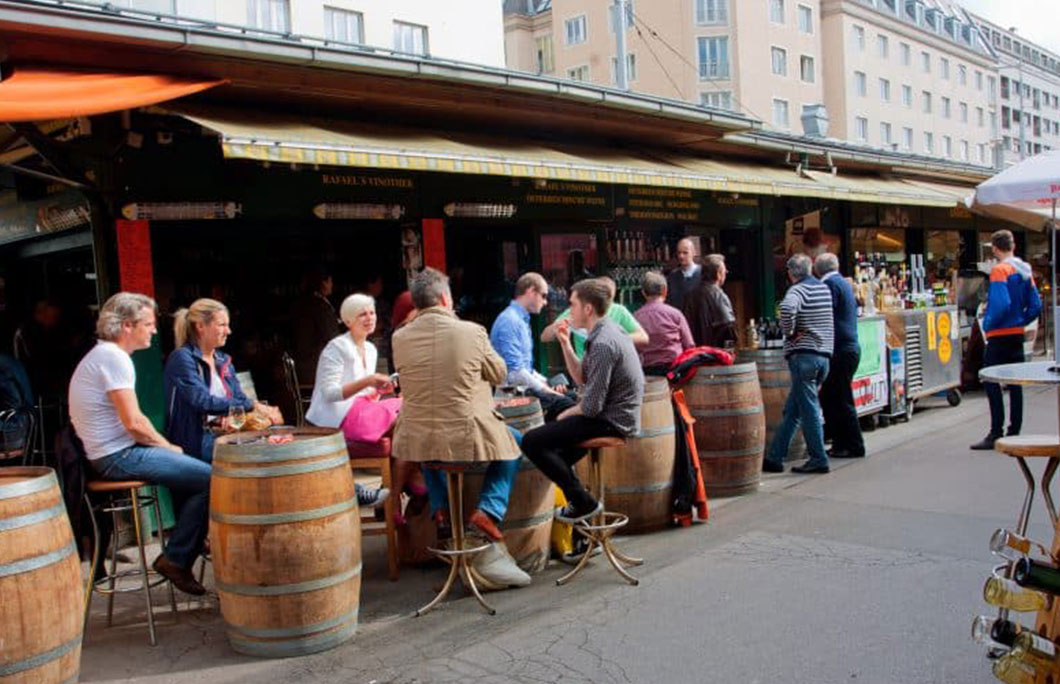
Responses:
[1003,592]
[1012,546]
[1013,671]
[993,631]
[1037,575]
[1036,651]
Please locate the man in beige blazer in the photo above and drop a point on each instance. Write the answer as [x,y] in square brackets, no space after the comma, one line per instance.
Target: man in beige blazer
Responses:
[447,368]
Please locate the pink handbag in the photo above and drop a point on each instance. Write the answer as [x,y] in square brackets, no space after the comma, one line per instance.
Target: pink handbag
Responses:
[369,418]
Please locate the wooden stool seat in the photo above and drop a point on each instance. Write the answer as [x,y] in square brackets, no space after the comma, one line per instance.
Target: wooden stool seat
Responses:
[1044,446]
[603,442]
[114,485]
[376,456]
[461,554]
[600,528]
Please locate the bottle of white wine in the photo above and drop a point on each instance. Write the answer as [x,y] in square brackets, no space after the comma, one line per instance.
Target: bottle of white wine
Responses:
[1036,651]
[992,631]
[1012,546]
[1013,670]
[1003,592]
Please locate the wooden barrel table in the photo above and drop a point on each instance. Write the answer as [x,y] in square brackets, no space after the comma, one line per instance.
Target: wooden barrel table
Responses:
[285,535]
[527,526]
[730,428]
[638,477]
[775,380]
[42,599]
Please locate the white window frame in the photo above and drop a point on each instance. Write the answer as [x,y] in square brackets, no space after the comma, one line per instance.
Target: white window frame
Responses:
[907,138]
[962,111]
[805,60]
[778,60]
[925,98]
[861,84]
[944,68]
[718,99]
[947,107]
[631,68]
[576,30]
[774,6]
[929,142]
[861,129]
[907,95]
[885,133]
[572,71]
[705,9]
[883,46]
[334,17]
[722,65]
[804,12]
[787,113]
[885,89]
[402,43]
[925,61]
[269,15]
[612,16]
[947,146]
[962,75]
[906,53]
[858,33]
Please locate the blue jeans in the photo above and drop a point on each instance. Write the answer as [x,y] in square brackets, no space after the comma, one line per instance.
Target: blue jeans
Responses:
[188,480]
[808,372]
[496,486]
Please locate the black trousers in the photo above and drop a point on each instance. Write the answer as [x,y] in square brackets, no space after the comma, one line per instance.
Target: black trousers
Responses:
[837,403]
[552,404]
[999,350]
[553,448]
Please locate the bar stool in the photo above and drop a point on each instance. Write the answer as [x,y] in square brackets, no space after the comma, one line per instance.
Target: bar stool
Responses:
[459,557]
[122,496]
[376,456]
[605,524]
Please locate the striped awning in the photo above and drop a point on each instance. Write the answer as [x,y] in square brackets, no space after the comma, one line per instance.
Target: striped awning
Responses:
[275,138]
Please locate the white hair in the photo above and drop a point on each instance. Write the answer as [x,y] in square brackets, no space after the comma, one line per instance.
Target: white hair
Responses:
[353,305]
[122,308]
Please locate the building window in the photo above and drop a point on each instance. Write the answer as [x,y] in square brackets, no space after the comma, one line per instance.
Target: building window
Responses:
[980,120]
[978,80]
[980,153]
[546,63]
[906,53]
[578,73]
[962,74]
[269,15]
[410,38]
[907,95]
[929,143]
[925,62]
[780,113]
[613,16]
[925,97]
[860,86]
[885,133]
[343,25]
[713,58]
[861,129]
[859,38]
[883,46]
[779,61]
[885,90]
[991,90]
[1005,118]
[712,12]
[776,11]
[631,68]
[947,146]
[944,68]
[806,71]
[962,111]
[964,150]
[805,19]
[577,30]
[945,108]
[907,139]
[719,99]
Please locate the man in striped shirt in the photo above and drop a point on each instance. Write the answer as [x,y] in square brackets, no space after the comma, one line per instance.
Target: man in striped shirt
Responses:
[806,319]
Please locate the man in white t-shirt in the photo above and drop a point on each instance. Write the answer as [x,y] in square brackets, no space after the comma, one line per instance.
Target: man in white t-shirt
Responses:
[122,444]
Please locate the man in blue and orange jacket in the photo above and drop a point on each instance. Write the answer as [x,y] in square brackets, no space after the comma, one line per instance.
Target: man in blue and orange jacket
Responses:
[1012,304]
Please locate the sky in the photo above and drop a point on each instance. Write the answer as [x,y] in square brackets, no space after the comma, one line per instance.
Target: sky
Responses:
[1037,20]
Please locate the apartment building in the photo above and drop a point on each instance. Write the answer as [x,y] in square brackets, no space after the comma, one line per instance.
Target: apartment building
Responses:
[760,58]
[1029,94]
[468,31]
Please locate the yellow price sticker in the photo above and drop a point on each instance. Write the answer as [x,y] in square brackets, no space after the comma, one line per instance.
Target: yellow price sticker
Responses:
[944,325]
[945,350]
[931,332]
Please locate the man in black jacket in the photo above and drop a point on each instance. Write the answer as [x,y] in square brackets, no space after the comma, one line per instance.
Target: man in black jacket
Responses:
[684,279]
[315,324]
[837,397]
[708,309]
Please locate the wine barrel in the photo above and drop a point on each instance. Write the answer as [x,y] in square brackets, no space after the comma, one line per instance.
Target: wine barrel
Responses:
[527,526]
[730,428]
[43,599]
[775,380]
[638,477]
[285,534]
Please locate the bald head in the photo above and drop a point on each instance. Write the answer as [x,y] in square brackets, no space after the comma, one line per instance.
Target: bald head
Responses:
[686,252]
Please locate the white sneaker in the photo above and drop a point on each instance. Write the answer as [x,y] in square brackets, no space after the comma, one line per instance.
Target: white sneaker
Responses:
[497,567]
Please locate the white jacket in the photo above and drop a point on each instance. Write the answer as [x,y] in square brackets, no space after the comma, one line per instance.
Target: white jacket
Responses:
[339,364]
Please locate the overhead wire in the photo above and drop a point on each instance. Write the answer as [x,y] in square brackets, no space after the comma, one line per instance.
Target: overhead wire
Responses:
[659,62]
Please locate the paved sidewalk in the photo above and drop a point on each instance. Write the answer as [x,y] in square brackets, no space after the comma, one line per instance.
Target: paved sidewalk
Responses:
[872,573]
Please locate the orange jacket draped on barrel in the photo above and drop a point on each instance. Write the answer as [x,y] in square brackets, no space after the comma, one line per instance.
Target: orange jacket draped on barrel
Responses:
[446,368]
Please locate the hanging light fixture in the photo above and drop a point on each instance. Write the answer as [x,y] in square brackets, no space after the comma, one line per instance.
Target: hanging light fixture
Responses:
[350,211]
[479,210]
[181,211]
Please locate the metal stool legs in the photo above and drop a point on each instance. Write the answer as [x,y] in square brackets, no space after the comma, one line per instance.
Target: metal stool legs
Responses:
[459,556]
[600,531]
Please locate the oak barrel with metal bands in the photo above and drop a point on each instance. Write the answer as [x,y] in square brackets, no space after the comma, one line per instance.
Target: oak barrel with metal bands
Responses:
[42,598]
[285,536]
[730,428]
[775,380]
[638,477]
[527,526]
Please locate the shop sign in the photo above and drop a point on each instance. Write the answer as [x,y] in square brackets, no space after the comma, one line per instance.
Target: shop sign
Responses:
[652,203]
[870,380]
[495,197]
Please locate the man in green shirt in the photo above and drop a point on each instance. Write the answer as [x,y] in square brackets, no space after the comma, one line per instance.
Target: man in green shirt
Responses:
[616,312]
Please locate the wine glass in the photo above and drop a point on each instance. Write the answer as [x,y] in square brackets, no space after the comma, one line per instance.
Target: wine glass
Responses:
[237,417]
[520,389]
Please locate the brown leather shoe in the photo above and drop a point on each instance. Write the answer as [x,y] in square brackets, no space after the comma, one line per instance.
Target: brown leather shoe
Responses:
[484,524]
[180,577]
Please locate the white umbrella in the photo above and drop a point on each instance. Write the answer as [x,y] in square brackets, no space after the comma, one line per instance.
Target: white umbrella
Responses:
[1028,191]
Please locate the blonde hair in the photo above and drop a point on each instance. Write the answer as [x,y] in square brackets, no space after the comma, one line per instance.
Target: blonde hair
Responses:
[353,305]
[200,311]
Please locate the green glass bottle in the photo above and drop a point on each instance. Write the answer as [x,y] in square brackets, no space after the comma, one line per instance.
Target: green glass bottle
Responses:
[1035,574]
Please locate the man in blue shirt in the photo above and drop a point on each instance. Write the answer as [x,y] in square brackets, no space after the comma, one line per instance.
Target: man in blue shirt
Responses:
[837,397]
[513,341]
